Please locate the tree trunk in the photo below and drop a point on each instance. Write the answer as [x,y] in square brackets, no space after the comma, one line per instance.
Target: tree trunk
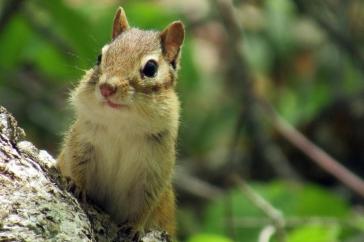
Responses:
[34,202]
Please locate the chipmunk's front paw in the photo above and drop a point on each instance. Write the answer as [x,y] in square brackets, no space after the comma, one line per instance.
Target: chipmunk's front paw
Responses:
[128,233]
[76,190]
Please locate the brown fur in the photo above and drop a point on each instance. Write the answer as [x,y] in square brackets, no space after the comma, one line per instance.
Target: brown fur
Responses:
[122,154]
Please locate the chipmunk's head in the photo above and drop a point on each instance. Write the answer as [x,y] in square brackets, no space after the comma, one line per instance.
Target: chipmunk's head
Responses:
[135,73]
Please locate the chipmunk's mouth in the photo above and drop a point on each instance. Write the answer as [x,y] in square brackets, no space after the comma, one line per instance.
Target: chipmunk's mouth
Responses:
[111,104]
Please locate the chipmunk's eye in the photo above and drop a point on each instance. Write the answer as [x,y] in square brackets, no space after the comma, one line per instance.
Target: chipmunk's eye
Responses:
[98,62]
[150,68]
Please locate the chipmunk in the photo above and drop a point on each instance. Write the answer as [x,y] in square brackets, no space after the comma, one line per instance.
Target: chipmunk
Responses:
[120,150]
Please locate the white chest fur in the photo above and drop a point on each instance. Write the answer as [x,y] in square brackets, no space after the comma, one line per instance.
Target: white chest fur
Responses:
[117,174]
[128,164]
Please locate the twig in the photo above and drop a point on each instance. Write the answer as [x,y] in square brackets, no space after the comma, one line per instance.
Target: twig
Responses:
[196,186]
[267,233]
[271,212]
[317,155]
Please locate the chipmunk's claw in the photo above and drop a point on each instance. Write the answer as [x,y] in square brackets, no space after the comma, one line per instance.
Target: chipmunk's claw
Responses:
[78,192]
[128,233]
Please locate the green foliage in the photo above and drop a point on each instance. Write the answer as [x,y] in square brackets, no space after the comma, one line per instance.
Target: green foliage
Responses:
[143,15]
[294,201]
[73,27]
[281,16]
[208,238]
[315,233]
[13,42]
[46,46]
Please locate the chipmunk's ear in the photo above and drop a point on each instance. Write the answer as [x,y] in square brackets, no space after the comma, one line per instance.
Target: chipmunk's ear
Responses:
[172,39]
[120,23]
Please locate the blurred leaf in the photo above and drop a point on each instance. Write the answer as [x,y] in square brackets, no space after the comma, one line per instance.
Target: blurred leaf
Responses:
[13,40]
[300,105]
[208,238]
[258,53]
[280,17]
[360,224]
[288,106]
[148,15]
[49,60]
[314,233]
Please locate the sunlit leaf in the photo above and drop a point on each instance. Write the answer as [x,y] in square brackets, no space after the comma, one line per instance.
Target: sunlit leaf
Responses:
[208,238]
[315,233]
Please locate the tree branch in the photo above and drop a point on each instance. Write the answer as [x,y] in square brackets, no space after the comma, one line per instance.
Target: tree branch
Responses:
[271,212]
[317,155]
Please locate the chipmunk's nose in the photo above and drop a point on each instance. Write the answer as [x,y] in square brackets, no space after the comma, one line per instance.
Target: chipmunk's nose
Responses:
[107,90]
